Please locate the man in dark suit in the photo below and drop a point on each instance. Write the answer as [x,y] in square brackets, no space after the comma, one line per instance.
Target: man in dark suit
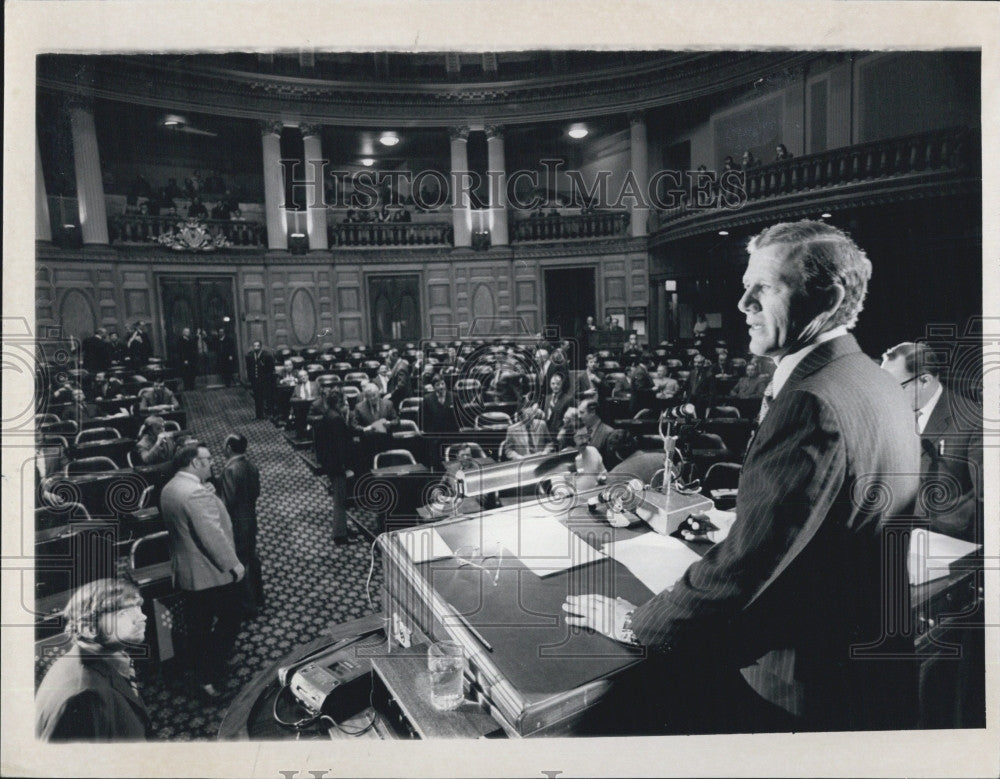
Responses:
[139,346]
[96,352]
[700,382]
[187,356]
[370,420]
[260,374]
[332,439]
[205,565]
[240,486]
[951,439]
[797,592]
[605,439]
[437,419]
[225,357]
[90,694]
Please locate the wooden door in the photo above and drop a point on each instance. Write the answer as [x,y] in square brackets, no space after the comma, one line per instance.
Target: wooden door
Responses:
[205,301]
[394,308]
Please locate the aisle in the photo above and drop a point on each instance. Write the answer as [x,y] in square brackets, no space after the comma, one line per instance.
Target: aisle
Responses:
[309,582]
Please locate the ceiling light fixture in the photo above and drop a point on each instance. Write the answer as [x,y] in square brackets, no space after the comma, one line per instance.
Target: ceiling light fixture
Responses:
[578,131]
[367,162]
[825,215]
[389,139]
[172,120]
[723,232]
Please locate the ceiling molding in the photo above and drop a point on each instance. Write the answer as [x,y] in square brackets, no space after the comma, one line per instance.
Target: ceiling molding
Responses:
[171,84]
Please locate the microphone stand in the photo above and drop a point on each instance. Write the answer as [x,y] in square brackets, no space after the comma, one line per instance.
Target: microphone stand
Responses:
[669,444]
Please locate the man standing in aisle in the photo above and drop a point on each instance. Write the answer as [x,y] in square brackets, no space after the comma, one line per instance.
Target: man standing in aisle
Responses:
[260,374]
[187,356]
[205,565]
[240,485]
[797,593]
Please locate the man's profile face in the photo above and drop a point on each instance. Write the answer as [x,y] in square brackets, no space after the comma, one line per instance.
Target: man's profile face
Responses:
[202,464]
[774,306]
[917,388]
[186,332]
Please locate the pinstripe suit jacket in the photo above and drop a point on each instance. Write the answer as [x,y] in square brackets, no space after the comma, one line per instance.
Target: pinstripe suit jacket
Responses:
[800,585]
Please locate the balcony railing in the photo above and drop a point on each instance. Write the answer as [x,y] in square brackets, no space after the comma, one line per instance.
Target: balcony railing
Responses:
[388,234]
[605,224]
[146,229]
[950,150]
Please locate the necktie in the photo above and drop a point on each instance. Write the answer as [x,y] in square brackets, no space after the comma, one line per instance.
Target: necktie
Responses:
[765,403]
[916,418]
[765,406]
[531,440]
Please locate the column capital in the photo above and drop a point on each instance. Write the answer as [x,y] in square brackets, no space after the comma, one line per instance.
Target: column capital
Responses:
[494,131]
[308,129]
[459,133]
[636,117]
[271,127]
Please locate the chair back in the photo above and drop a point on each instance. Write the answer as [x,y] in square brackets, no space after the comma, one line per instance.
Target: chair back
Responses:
[493,420]
[149,550]
[64,427]
[96,434]
[394,457]
[91,465]
[42,419]
[328,380]
[722,412]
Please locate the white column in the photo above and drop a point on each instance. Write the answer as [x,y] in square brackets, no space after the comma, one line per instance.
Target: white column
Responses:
[497,171]
[43,224]
[316,199]
[460,213]
[639,159]
[274,186]
[87,164]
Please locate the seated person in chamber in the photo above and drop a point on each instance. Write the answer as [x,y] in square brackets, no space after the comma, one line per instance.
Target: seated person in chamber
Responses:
[664,386]
[750,385]
[155,445]
[588,467]
[528,434]
[157,398]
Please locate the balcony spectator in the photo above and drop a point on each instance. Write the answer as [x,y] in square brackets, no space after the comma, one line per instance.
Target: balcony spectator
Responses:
[220,211]
[729,163]
[172,191]
[197,209]
[749,161]
[782,153]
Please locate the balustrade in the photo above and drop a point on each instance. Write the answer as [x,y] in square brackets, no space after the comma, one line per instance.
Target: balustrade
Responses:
[144,228]
[940,150]
[605,224]
[390,234]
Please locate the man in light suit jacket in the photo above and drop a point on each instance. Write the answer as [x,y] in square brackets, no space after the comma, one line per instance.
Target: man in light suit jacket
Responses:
[797,592]
[527,436]
[370,420]
[951,438]
[204,560]
[240,486]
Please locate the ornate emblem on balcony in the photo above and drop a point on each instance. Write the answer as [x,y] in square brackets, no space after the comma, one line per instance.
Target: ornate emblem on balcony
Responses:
[193,235]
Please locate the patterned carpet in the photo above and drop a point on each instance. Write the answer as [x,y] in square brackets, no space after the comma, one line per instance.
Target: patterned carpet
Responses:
[310,584]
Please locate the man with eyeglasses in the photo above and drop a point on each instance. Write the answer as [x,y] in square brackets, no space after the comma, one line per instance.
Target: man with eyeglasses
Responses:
[205,565]
[951,441]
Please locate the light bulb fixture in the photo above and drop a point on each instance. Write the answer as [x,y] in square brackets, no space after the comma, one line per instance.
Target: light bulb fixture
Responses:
[723,232]
[172,120]
[578,131]
[367,162]
[388,139]
[825,215]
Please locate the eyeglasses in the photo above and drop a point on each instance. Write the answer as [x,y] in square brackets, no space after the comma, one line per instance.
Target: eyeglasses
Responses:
[489,556]
[908,381]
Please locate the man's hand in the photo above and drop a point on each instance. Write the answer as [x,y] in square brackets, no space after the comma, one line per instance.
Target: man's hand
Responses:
[599,613]
[238,572]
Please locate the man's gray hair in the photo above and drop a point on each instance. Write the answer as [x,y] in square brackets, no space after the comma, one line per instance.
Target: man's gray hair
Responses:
[823,256]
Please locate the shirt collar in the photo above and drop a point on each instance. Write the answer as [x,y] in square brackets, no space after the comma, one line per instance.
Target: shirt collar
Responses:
[928,408]
[788,363]
[189,475]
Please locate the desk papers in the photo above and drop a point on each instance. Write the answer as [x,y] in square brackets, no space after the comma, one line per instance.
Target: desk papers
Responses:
[424,544]
[541,542]
[932,553]
[657,561]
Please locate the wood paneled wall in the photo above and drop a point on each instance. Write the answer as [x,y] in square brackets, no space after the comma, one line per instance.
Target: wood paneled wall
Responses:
[322,298]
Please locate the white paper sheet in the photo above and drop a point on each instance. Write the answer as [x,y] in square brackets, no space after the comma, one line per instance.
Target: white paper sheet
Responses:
[657,561]
[423,544]
[931,553]
[538,540]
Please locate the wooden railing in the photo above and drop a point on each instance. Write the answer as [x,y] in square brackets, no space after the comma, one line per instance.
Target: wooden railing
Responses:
[390,234]
[952,149]
[603,224]
[146,229]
